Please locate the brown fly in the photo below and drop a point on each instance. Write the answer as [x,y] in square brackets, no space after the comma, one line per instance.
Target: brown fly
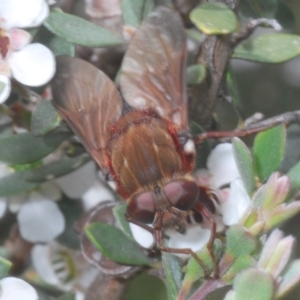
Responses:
[147,150]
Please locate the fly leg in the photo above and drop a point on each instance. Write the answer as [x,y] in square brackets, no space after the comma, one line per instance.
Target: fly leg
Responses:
[210,245]
[158,234]
[144,226]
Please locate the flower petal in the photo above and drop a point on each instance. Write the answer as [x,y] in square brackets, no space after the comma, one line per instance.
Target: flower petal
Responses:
[20,13]
[75,184]
[96,194]
[19,38]
[40,221]
[5,87]
[222,166]
[236,204]
[15,202]
[195,238]
[15,288]
[142,236]
[50,191]
[5,170]
[41,16]
[33,65]
[42,261]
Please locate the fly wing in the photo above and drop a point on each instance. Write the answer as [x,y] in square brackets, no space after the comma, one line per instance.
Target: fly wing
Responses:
[88,101]
[153,69]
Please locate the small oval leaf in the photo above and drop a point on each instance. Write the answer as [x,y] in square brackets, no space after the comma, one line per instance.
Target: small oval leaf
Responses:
[25,148]
[44,118]
[80,31]
[243,160]
[195,74]
[289,279]
[5,266]
[134,11]
[57,44]
[268,151]
[260,283]
[56,169]
[269,48]
[241,263]
[15,184]
[119,212]
[214,18]
[115,245]
[67,296]
[294,176]
[240,241]
[173,274]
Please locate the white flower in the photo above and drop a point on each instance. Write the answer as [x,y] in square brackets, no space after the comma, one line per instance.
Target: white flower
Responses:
[4,171]
[222,171]
[40,221]
[12,288]
[63,267]
[96,194]
[46,191]
[30,64]
[78,182]
[142,236]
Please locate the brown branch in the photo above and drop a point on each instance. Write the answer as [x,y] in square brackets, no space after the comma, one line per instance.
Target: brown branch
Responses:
[285,118]
[214,54]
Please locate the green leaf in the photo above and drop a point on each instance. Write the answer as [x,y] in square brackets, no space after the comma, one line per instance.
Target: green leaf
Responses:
[173,274]
[79,31]
[259,8]
[294,176]
[292,151]
[257,281]
[194,271]
[259,196]
[241,263]
[15,183]
[44,118]
[134,11]
[56,169]
[289,279]
[269,48]
[25,148]
[233,91]
[214,18]
[115,245]
[240,241]
[5,266]
[67,296]
[195,74]
[281,214]
[243,160]
[143,287]
[268,151]
[119,212]
[58,45]
[72,211]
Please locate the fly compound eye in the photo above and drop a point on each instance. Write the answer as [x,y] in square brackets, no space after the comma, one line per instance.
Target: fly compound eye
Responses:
[141,208]
[182,194]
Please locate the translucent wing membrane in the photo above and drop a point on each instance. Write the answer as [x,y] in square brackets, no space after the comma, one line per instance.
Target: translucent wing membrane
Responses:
[89,101]
[153,69]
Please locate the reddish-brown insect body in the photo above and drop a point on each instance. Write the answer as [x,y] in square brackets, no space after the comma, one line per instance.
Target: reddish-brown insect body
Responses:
[146,149]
